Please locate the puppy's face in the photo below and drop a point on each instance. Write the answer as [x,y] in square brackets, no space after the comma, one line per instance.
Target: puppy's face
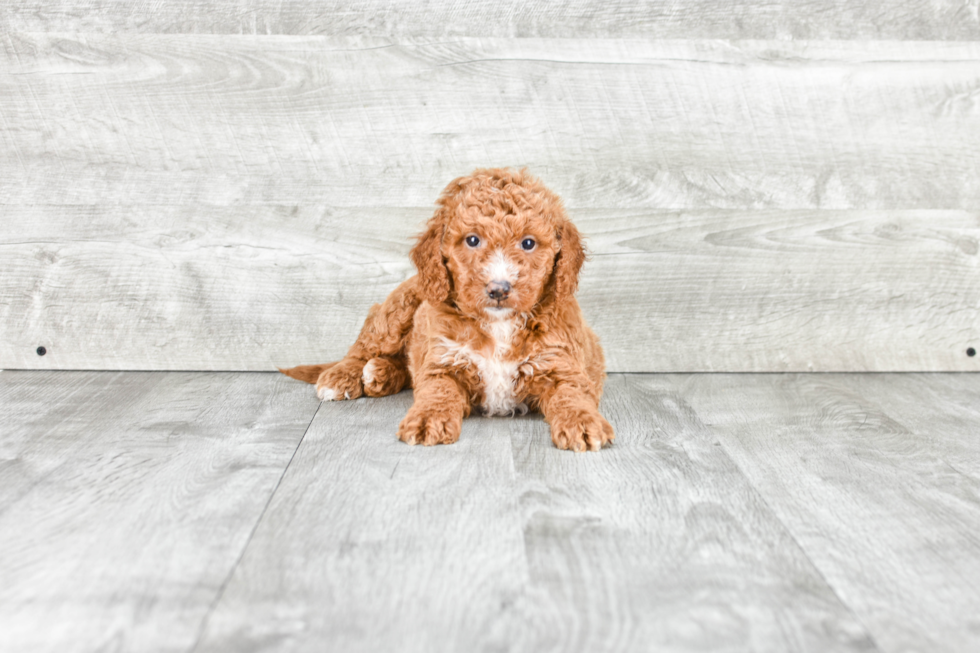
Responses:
[499,244]
[500,264]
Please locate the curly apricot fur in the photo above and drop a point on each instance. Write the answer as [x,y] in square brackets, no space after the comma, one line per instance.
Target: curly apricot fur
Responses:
[459,347]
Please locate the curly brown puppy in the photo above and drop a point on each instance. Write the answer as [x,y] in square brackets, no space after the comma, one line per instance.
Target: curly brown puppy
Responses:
[489,321]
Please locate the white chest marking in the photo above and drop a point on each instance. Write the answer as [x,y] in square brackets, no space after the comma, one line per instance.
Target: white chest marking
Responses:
[496,371]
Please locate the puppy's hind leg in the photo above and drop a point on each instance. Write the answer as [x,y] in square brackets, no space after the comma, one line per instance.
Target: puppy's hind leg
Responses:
[384,375]
[375,364]
[338,380]
[342,380]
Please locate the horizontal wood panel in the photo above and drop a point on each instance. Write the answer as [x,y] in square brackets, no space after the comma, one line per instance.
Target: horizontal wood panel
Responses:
[197,287]
[225,120]
[813,19]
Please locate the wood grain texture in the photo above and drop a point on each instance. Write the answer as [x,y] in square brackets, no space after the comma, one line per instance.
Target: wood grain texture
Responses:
[733,512]
[372,545]
[250,288]
[501,542]
[224,202]
[878,479]
[359,121]
[806,19]
[126,500]
[659,543]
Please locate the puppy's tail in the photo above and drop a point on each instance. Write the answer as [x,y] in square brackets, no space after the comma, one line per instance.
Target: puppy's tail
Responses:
[307,373]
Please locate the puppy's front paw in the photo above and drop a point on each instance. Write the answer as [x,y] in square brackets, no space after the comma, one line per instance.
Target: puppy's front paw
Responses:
[580,430]
[341,381]
[430,426]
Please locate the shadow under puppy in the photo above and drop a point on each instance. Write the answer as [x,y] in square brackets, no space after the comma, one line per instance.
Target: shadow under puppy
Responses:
[490,320]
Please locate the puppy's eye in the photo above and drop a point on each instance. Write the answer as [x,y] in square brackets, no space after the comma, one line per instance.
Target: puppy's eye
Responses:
[528,244]
[472,240]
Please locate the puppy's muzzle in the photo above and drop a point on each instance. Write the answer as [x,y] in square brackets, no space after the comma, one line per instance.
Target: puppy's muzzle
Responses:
[498,290]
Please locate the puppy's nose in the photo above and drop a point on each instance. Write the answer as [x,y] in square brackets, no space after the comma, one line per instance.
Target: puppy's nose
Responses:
[498,290]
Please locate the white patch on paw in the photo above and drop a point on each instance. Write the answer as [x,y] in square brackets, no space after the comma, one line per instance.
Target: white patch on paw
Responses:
[367,374]
[326,393]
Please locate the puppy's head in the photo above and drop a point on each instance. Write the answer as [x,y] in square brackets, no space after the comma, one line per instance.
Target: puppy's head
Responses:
[498,244]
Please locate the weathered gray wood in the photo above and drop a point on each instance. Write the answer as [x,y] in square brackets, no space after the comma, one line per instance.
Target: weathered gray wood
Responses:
[733,512]
[823,19]
[126,500]
[878,479]
[192,287]
[226,131]
[372,545]
[137,119]
[804,290]
[657,542]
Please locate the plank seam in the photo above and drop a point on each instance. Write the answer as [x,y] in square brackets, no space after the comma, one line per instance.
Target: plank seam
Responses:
[224,585]
[803,551]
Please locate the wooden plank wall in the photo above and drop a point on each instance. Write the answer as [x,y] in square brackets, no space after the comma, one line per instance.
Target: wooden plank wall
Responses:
[230,185]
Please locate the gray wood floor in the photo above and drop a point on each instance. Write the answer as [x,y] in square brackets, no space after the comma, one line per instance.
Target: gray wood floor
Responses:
[233,512]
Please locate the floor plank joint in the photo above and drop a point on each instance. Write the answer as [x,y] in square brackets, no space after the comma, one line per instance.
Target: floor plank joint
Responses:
[225,512]
[221,591]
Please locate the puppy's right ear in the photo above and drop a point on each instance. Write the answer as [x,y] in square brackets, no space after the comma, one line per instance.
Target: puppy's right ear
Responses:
[428,259]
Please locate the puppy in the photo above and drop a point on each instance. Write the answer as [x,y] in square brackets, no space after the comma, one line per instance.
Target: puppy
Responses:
[490,321]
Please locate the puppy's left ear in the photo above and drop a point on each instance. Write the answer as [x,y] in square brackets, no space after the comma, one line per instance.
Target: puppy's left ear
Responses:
[568,261]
